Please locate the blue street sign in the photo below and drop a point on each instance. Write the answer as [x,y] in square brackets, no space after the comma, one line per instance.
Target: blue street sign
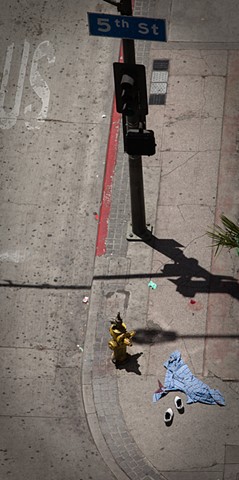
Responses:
[123,26]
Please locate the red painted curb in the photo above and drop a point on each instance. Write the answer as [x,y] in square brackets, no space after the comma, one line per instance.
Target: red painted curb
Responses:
[111,157]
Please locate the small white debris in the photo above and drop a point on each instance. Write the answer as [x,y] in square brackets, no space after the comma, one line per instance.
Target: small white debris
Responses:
[85,300]
[103,116]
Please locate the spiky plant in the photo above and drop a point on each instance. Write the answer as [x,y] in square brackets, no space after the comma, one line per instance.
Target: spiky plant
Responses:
[225,237]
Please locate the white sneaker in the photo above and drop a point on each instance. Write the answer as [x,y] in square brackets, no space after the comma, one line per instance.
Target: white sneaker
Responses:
[168,416]
[179,404]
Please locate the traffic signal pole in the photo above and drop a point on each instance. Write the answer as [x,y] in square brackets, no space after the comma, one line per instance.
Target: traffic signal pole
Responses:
[138,228]
[138,221]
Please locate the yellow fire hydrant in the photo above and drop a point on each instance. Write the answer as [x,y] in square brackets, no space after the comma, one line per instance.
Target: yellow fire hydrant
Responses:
[121,340]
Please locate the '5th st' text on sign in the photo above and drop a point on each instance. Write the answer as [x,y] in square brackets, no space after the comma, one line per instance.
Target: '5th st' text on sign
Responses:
[122,26]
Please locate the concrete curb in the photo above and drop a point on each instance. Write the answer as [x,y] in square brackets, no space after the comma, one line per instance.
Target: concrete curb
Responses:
[100,391]
[87,391]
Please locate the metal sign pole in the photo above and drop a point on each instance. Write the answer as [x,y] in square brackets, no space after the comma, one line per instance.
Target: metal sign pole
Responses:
[135,162]
[138,228]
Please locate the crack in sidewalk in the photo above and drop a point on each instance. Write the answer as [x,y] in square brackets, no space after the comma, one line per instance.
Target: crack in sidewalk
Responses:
[179,166]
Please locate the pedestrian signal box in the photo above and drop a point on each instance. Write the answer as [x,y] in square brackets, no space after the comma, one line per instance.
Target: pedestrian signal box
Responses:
[140,142]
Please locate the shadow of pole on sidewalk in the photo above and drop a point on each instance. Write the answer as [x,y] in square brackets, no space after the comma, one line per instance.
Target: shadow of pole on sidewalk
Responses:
[185,270]
[158,335]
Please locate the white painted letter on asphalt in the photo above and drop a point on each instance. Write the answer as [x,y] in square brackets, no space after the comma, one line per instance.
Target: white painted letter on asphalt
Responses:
[8,119]
[40,87]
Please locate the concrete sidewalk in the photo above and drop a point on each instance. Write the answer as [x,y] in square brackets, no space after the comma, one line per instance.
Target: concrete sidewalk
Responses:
[191,180]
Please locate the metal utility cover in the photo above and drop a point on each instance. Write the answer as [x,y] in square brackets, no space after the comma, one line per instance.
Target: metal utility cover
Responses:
[159,76]
[158,88]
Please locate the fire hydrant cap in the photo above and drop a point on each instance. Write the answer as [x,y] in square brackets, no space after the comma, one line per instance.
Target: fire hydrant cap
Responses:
[118,318]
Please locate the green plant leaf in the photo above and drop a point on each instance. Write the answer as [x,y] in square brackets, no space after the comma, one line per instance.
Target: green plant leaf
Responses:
[227,237]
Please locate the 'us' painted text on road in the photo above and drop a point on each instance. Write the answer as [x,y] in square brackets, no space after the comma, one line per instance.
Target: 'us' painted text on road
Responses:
[9,115]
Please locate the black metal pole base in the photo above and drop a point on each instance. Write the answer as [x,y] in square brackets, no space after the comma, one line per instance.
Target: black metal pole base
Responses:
[141,237]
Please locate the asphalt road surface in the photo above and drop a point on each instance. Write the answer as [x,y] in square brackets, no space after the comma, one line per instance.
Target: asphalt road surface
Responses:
[55,105]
